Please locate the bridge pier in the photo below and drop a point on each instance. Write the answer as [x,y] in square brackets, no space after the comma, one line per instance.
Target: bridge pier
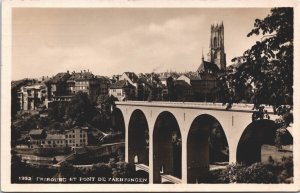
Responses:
[233,123]
[232,153]
[184,169]
[150,154]
[126,142]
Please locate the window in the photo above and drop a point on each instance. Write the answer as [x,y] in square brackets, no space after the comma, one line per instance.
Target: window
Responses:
[70,136]
[80,136]
[66,136]
[70,141]
[80,140]
[73,136]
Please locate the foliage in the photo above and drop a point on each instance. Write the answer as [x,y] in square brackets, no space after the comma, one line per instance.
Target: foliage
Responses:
[102,170]
[266,70]
[272,172]
[19,169]
[80,109]
[67,170]
[218,146]
[52,151]
[267,66]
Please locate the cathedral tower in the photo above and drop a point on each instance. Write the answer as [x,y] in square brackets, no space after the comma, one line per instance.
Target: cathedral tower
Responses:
[216,53]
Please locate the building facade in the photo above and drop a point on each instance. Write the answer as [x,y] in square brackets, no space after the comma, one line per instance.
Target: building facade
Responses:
[54,140]
[31,97]
[58,84]
[122,90]
[77,137]
[36,137]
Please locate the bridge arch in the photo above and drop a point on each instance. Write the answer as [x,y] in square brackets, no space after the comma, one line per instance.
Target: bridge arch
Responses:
[255,135]
[118,122]
[167,149]
[138,138]
[206,144]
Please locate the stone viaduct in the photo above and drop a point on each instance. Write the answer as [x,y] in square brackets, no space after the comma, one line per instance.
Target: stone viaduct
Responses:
[191,123]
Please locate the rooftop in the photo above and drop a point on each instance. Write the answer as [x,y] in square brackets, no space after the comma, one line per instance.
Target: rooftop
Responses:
[207,66]
[121,84]
[85,75]
[55,136]
[36,132]
[62,76]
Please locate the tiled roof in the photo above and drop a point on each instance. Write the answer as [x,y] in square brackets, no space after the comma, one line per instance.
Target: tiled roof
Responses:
[192,77]
[132,76]
[55,136]
[36,132]
[81,76]
[62,76]
[121,84]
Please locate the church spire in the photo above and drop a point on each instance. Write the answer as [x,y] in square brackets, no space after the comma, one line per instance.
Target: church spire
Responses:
[217,54]
[202,55]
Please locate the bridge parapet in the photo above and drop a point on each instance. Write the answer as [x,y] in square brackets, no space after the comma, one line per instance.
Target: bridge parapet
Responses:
[199,105]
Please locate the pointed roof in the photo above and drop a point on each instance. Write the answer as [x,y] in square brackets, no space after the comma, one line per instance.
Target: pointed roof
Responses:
[207,66]
[85,75]
[121,84]
[132,76]
[60,77]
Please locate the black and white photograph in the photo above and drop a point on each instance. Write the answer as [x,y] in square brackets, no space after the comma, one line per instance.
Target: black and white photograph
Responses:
[194,96]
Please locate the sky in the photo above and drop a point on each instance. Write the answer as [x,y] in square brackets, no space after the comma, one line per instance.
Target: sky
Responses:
[110,41]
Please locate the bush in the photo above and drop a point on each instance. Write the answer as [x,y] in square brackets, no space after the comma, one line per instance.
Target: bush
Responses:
[272,172]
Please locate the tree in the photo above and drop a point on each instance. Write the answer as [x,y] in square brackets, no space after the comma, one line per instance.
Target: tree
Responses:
[268,67]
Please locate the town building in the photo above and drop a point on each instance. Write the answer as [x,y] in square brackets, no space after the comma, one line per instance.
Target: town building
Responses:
[77,137]
[36,136]
[166,80]
[31,97]
[131,77]
[183,91]
[54,140]
[208,71]
[80,82]
[122,90]
[58,86]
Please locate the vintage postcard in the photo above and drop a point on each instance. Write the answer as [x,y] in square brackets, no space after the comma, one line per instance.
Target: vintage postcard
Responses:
[150,95]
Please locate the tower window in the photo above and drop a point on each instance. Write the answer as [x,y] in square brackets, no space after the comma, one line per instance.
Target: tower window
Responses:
[215,41]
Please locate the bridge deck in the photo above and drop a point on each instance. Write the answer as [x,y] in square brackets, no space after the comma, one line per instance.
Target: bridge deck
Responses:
[194,105]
